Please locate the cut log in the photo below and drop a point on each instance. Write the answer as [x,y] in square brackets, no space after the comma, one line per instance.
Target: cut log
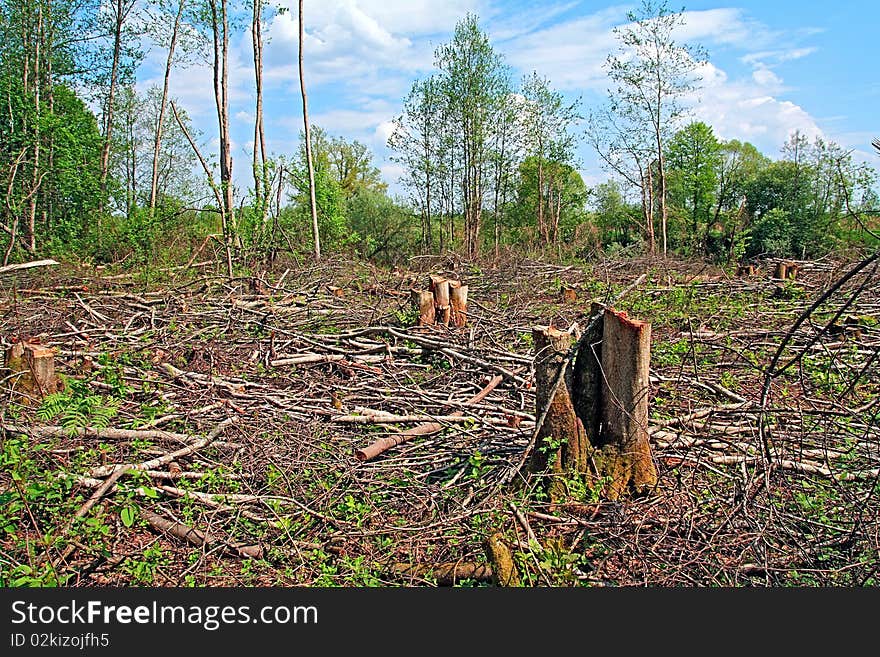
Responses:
[423,302]
[35,364]
[6,269]
[445,574]
[440,288]
[458,299]
[781,270]
[626,451]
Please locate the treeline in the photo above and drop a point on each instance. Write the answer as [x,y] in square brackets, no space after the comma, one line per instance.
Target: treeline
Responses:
[489,161]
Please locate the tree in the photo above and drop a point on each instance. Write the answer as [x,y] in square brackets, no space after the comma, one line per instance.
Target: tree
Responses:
[739,163]
[652,74]
[417,142]
[694,159]
[549,145]
[313,206]
[556,186]
[172,40]
[116,18]
[475,82]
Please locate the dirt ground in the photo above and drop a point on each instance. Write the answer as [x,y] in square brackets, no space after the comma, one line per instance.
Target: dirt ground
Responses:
[235,407]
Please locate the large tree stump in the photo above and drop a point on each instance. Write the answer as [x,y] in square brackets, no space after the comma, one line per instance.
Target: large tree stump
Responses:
[596,422]
[623,438]
[561,446]
[458,301]
[781,271]
[440,287]
[423,301]
[35,365]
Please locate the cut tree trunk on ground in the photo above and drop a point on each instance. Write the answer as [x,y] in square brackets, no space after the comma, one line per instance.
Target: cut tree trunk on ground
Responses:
[458,299]
[445,574]
[595,426]
[423,301]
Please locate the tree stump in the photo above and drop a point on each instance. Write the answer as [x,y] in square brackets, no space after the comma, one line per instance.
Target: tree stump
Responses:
[568,295]
[35,365]
[792,271]
[596,422]
[745,270]
[423,301]
[562,445]
[458,300]
[626,451]
[440,288]
[781,271]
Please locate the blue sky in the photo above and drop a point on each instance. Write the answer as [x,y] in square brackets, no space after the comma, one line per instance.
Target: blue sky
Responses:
[774,66]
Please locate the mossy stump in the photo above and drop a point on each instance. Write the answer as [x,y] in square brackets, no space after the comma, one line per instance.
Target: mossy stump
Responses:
[596,423]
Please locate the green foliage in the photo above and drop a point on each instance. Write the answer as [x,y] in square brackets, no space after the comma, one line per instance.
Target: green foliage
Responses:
[77,409]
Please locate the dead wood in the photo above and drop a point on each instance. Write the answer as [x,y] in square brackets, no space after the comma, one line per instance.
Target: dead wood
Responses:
[198,537]
[423,302]
[444,574]
[458,299]
[440,288]
[500,558]
[384,444]
[6,269]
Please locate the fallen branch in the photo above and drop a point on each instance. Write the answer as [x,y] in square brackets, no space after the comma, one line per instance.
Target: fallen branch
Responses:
[198,537]
[445,574]
[387,442]
[152,464]
[27,265]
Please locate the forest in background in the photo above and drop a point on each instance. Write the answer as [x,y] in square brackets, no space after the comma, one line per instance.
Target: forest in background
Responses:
[489,161]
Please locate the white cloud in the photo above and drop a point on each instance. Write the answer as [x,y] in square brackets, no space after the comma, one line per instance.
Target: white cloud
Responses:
[745,110]
[773,57]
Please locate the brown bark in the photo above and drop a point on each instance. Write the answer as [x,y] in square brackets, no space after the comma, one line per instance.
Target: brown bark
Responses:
[596,423]
[440,288]
[445,574]
[36,366]
[387,442]
[626,451]
[562,446]
[781,271]
[458,300]
[423,301]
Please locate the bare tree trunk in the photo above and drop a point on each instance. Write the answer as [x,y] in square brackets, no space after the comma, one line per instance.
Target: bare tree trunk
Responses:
[221,80]
[32,203]
[302,85]
[108,108]
[648,207]
[261,184]
[157,142]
